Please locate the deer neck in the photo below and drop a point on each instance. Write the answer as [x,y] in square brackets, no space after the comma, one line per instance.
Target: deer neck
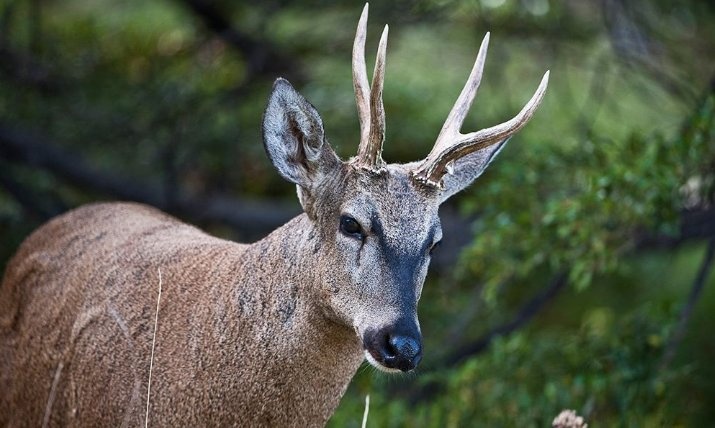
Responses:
[310,358]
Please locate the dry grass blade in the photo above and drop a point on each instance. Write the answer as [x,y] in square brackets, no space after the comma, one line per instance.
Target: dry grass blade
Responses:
[367,410]
[151,360]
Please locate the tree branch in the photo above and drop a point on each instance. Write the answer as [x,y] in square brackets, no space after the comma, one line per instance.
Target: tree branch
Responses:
[525,314]
[695,293]
[694,224]
[251,219]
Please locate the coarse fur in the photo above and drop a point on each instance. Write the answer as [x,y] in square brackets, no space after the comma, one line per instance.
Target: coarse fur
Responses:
[266,334]
[234,345]
[260,334]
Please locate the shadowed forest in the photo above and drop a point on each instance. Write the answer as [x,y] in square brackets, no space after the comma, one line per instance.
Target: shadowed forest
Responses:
[575,273]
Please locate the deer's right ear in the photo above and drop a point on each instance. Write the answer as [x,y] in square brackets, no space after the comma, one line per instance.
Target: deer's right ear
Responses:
[294,138]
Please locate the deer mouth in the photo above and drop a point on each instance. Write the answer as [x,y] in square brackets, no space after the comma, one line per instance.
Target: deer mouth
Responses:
[373,360]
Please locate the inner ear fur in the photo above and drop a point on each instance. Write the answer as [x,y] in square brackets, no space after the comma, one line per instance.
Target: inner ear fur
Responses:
[294,139]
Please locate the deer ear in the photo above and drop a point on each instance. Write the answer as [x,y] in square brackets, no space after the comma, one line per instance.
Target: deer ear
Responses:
[468,168]
[294,138]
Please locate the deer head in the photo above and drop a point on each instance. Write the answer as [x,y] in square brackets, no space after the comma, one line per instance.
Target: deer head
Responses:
[376,224]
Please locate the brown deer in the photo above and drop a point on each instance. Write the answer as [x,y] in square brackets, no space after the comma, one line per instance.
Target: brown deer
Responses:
[119,315]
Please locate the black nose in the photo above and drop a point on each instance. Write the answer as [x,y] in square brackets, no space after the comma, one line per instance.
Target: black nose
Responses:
[407,351]
[395,348]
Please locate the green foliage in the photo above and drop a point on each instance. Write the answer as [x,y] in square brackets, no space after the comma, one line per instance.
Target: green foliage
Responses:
[607,370]
[581,220]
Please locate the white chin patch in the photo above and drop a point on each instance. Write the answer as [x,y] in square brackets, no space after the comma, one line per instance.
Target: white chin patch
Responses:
[373,362]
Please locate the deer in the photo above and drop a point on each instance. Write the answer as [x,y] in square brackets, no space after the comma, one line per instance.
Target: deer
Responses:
[116,314]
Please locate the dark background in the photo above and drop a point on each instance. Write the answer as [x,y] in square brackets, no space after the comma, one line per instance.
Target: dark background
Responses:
[576,273]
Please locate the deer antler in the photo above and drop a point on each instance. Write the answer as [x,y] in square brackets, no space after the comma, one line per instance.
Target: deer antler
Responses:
[370,112]
[452,145]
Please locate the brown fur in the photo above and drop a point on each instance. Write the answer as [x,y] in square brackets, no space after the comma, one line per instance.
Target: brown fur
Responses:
[233,346]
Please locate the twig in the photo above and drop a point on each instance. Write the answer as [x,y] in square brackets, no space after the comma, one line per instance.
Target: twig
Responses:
[151,361]
[635,45]
[687,310]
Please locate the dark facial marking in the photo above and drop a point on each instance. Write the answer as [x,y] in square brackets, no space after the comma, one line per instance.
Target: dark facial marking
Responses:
[403,264]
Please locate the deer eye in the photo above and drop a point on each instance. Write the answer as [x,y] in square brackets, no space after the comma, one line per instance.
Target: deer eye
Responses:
[350,227]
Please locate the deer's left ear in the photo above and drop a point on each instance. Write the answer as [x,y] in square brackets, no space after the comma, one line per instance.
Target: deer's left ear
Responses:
[294,138]
[468,168]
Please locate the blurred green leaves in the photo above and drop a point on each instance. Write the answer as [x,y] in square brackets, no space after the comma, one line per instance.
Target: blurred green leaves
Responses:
[606,371]
[584,219]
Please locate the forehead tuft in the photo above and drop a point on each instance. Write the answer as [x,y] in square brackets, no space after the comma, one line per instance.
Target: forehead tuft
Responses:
[393,183]
[393,199]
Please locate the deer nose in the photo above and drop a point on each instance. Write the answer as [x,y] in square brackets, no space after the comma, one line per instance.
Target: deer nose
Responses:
[395,348]
[406,352]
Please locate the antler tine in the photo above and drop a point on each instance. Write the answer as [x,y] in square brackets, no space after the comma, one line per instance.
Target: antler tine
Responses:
[456,116]
[436,165]
[369,100]
[371,153]
[362,91]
